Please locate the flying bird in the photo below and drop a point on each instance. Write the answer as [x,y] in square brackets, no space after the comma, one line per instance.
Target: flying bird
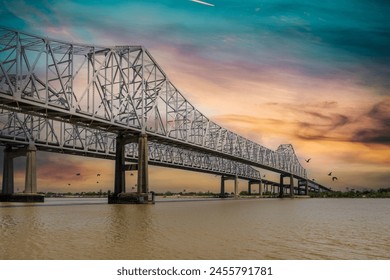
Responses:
[98,174]
[203,3]
[307,160]
[78,174]
[334,178]
[330,174]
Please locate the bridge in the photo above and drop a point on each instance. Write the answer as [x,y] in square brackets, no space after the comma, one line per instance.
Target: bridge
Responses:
[117,103]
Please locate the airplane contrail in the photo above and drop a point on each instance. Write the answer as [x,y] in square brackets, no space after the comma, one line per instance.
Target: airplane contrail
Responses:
[203,3]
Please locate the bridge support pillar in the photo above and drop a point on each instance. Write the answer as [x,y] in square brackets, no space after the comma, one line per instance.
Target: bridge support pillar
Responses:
[250,183]
[31,170]
[120,183]
[261,189]
[223,179]
[8,172]
[30,192]
[142,196]
[281,186]
[291,185]
[303,187]
[306,187]
[236,186]
[222,193]
[143,178]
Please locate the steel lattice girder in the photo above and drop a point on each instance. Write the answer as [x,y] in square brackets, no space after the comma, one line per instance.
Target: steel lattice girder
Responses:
[56,136]
[118,89]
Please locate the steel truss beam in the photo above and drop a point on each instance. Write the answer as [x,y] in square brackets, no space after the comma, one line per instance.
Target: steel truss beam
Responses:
[122,90]
[55,136]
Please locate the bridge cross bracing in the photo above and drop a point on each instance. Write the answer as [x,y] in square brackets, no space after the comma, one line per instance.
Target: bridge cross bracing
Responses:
[120,90]
[55,136]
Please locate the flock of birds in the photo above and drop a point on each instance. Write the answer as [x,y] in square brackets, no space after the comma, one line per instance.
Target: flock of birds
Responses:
[334,178]
[97,175]
[79,174]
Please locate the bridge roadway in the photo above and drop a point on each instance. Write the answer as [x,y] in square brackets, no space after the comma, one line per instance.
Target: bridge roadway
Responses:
[120,90]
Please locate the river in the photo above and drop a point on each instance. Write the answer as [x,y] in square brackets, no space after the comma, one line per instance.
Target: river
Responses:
[281,229]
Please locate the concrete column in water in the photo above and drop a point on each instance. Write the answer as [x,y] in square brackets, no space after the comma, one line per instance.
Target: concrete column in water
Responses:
[222,186]
[281,185]
[306,188]
[143,176]
[249,187]
[261,188]
[8,172]
[31,169]
[119,185]
[291,185]
[236,186]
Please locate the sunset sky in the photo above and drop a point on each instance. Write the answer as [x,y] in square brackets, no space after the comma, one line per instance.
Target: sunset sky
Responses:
[314,74]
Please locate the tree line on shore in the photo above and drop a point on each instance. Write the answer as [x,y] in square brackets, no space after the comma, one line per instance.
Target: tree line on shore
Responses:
[351,193]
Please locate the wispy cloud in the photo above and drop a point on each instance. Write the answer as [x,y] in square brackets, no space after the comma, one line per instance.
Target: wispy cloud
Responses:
[379,131]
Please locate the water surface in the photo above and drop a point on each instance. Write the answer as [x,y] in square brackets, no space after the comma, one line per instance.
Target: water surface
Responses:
[81,228]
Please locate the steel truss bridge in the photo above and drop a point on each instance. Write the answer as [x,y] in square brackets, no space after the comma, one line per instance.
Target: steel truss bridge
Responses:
[117,103]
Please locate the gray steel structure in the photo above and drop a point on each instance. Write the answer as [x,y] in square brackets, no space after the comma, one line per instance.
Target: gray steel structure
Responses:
[120,91]
[20,130]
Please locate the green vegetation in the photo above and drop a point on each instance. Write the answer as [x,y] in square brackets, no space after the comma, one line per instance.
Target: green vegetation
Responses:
[352,193]
[77,194]
[349,193]
[169,193]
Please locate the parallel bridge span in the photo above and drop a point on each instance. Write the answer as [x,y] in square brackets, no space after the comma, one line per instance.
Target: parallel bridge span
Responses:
[20,129]
[120,90]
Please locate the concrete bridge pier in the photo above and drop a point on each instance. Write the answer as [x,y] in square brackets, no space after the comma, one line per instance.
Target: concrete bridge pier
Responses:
[120,182]
[142,196]
[222,192]
[143,178]
[250,183]
[281,186]
[302,183]
[31,169]
[236,186]
[8,172]
[223,179]
[273,189]
[306,187]
[261,188]
[291,186]
[30,191]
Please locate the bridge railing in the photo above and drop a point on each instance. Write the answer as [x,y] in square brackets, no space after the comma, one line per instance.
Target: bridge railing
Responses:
[118,89]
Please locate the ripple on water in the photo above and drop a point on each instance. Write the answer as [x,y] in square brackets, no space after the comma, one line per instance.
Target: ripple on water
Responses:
[233,229]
